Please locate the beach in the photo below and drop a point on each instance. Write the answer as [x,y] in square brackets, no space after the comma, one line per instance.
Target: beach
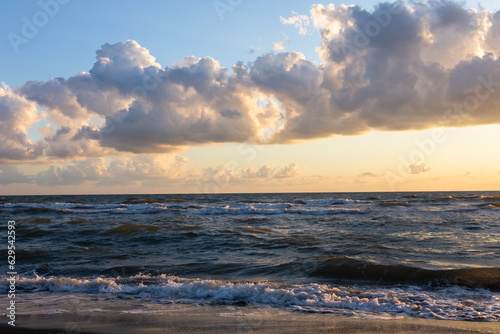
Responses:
[233,319]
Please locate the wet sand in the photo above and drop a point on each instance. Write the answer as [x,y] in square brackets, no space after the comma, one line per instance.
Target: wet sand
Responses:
[174,318]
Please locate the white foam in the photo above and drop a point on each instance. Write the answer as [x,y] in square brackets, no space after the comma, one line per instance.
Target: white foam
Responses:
[312,207]
[451,303]
[330,201]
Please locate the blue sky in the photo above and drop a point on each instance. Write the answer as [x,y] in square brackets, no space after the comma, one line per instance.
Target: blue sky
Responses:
[171,30]
[340,158]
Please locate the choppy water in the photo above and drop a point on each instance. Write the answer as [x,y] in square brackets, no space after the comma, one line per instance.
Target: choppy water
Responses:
[433,255]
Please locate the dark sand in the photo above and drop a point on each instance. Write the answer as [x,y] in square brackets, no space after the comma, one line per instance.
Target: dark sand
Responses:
[174,318]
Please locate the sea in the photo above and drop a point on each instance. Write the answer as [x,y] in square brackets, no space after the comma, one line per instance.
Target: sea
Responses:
[432,255]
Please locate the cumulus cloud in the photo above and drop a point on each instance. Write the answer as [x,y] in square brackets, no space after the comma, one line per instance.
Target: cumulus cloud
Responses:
[418,168]
[301,22]
[148,169]
[119,171]
[17,115]
[226,174]
[286,172]
[144,108]
[280,46]
[73,174]
[369,174]
[398,68]
[10,174]
[395,67]
[267,172]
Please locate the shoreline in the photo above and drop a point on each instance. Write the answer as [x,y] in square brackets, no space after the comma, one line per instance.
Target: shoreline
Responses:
[179,318]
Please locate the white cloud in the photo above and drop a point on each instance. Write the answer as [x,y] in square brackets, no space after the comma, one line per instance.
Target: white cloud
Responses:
[78,172]
[287,172]
[267,172]
[280,46]
[301,22]
[17,115]
[151,170]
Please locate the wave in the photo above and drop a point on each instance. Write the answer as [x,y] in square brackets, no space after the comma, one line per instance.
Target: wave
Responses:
[77,221]
[352,269]
[252,210]
[462,210]
[151,200]
[22,254]
[445,198]
[133,228]
[315,207]
[38,210]
[148,206]
[335,201]
[144,201]
[41,220]
[34,233]
[452,304]
[490,205]
[492,197]
[392,204]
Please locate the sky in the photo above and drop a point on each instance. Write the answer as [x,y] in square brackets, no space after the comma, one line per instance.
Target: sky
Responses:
[224,96]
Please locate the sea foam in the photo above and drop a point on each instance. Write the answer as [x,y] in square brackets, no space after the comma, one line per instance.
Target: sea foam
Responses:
[453,303]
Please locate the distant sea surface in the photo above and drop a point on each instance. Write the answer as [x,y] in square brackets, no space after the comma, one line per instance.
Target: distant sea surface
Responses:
[431,255]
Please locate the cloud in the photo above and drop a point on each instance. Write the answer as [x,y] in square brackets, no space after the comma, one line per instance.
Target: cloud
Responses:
[226,174]
[17,115]
[369,174]
[418,167]
[398,68]
[119,171]
[144,108]
[301,22]
[267,172]
[280,46]
[286,172]
[392,68]
[262,172]
[10,174]
[149,169]
[73,174]
[253,50]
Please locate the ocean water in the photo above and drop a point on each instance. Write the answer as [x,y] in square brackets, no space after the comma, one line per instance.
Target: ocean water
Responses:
[430,255]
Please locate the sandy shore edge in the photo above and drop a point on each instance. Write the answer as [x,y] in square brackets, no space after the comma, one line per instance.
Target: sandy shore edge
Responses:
[230,319]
